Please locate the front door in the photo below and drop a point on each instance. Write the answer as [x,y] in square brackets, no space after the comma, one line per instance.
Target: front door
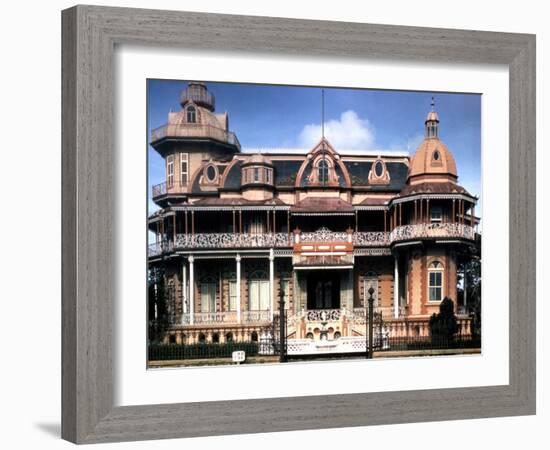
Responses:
[323,290]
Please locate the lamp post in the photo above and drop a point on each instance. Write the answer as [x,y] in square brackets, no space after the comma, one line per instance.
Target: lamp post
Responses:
[370,323]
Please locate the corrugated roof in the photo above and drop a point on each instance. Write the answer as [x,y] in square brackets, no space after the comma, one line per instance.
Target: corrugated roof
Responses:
[445,187]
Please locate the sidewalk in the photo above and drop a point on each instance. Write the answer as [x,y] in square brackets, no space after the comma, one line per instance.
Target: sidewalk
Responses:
[325,357]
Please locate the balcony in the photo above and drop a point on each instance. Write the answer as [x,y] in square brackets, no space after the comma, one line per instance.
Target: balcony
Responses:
[221,240]
[284,240]
[226,318]
[432,230]
[197,131]
[161,189]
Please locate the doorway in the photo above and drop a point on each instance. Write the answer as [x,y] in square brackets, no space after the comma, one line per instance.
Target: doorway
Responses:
[323,289]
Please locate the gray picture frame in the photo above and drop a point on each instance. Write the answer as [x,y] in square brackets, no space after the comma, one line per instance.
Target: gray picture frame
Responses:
[90,34]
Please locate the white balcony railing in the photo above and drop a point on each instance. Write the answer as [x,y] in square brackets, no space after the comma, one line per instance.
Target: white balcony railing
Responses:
[230,240]
[358,316]
[432,230]
[371,239]
[226,318]
[278,240]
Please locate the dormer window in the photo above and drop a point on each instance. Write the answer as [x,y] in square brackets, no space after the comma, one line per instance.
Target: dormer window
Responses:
[379,173]
[191,114]
[378,169]
[322,171]
[211,173]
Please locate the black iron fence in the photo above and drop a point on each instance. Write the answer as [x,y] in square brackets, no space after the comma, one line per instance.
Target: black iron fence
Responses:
[170,352]
[405,343]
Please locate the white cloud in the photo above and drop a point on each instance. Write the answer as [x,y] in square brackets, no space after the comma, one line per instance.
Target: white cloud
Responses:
[349,132]
[410,144]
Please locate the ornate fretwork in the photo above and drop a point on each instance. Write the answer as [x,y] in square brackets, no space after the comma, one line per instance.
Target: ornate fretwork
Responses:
[323,234]
[323,315]
[432,230]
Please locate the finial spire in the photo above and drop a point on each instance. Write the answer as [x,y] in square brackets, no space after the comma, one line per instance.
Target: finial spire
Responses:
[323,131]
[432,122]
[323,113]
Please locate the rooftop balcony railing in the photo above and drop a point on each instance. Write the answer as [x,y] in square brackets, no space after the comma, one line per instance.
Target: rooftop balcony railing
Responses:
[200,131]
[432,230]
[174,187]
[159,189]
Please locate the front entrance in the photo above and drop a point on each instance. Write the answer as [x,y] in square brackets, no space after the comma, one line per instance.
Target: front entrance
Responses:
[323,289]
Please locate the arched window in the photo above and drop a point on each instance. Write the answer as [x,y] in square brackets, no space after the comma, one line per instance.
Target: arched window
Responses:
[191,114]
[258,291]
[208,295]
[435,282]
[322,171]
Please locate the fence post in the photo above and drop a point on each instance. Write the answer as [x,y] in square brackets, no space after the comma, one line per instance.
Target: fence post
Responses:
[282,323]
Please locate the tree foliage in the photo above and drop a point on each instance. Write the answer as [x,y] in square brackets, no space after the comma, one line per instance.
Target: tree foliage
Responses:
[471,268]
[157,304]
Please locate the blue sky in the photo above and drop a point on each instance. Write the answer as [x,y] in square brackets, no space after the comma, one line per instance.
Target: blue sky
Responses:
[356,120]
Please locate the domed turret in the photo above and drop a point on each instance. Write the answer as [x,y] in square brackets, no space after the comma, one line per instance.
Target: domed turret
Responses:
[433,160]
[198,93]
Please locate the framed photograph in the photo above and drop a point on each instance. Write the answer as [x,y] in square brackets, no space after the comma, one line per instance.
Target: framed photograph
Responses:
[266,230]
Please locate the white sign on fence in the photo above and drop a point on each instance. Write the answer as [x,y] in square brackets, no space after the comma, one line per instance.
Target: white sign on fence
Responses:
[238,356]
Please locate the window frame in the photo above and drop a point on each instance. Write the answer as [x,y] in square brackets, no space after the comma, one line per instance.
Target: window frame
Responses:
[325,177]
[232,297]
[184,157]
[257,281]
[211,305]
[436,219]
[170,171]
[191,112]
[436,267]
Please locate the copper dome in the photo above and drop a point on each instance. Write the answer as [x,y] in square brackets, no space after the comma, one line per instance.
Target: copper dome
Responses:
[432,158]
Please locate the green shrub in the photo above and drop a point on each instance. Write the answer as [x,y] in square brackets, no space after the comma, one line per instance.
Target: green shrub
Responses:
[443,326]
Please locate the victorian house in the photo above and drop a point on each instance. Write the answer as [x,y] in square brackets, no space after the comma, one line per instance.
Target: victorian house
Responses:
[236,231]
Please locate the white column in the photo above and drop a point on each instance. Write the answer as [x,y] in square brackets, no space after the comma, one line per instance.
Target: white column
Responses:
[238,259]
[191,289]
[396,288]
[184,287]
[271,282]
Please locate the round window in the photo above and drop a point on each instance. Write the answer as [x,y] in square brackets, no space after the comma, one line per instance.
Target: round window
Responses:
[436,156]
[378,168]
[211,173]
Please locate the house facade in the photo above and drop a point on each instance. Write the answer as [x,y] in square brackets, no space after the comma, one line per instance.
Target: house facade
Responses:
[236,232]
